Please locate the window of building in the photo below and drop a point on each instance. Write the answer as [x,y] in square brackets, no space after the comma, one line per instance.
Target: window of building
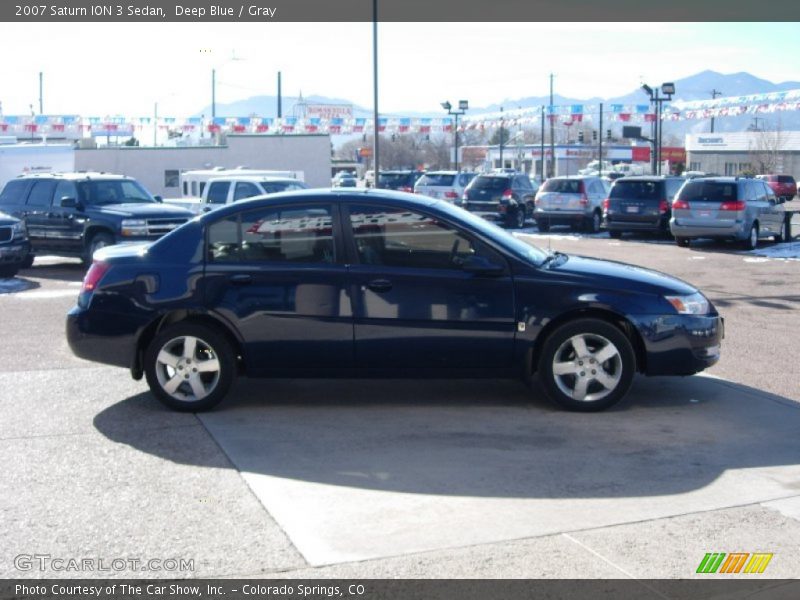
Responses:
[172,178]
[730,168]
[695,166]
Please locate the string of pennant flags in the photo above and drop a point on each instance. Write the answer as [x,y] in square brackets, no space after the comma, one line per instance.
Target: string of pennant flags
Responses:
[563,114]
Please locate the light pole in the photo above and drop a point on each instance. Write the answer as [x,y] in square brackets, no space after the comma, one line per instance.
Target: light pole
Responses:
[502,133]
[463,106]
[668,89]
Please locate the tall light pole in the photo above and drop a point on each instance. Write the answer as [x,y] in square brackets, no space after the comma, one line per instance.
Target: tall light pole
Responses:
[375,142]
[502,133]
[463,106]
[551,116]
[668,89]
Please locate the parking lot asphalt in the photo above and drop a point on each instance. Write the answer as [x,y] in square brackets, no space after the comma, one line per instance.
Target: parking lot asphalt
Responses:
[319,478]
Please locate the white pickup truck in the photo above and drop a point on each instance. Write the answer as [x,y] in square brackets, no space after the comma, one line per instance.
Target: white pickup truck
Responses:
[224,190]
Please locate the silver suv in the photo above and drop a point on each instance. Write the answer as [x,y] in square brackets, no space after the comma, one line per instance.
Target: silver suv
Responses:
[575,201]
[728,208]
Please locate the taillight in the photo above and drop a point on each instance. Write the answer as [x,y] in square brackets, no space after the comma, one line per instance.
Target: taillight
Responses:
[405,188]
[735,205]
[90,282]
[582,191]
[606,202]
[464,196]
[452,195]
[663,206]
[680,205]
[507,194]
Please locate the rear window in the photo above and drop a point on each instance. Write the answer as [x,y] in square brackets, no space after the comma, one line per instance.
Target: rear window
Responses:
[440,179]
[490,183]
[644,190]
[393,179]
[563,186]
[785,179]
[708,191]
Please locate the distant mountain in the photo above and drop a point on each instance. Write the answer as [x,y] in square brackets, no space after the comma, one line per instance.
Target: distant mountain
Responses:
[695,87]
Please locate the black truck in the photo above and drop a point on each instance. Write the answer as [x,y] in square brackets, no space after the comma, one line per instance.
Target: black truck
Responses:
[74,214]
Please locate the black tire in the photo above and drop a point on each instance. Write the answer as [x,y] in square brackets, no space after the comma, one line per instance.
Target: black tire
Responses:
[602,383]
[28,262]
[593,223]
[616,235]
[210,345]
[780,236]
[543,226]
[9,271]
[519,217]
[751,241]
[682,242]
[97,241]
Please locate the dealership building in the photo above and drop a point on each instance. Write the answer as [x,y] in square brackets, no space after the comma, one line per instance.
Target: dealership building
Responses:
[744,152]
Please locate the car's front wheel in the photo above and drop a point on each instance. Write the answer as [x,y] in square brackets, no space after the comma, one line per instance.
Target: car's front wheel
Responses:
[98,240]
[586,365]
[519,217]
[190,367]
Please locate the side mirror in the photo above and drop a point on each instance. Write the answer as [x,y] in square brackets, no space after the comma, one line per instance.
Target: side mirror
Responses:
[67,202]
[158,198]
[480,265]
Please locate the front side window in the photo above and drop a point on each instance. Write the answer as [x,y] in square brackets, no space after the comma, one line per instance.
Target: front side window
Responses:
[218,192]
[101,192]
[64,189]
[245,189]
[41,193]
[403,238]
[276,234]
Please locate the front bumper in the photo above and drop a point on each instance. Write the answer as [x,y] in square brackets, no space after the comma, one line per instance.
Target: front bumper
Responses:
[14,252]
[680,344]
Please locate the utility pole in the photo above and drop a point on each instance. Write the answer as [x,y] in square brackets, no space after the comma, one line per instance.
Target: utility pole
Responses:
[600,143]
[551,116]
[501,137]
[714,94]
[280,109]
[213,94]
[41,96]
[541,182]
[155,123]
[375,143]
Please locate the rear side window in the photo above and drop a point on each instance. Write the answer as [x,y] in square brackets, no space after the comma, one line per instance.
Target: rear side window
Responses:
[14,192]
[276,234]
[708,191]
[490,183]
[562,186]
[437,179]
[41,193]
[218,192]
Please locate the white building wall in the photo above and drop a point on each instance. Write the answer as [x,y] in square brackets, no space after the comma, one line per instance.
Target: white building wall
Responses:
[310,154]
[712,152]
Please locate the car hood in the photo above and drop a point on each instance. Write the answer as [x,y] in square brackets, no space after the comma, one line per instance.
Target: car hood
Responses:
[7,219]
[145,210]
[623,276]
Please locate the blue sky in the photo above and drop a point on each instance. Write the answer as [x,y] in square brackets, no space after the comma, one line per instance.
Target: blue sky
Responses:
[120,68]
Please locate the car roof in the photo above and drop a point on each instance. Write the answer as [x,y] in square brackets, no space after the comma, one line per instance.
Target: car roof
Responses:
[648,177]
[334,195]
[76,175]
[255,178]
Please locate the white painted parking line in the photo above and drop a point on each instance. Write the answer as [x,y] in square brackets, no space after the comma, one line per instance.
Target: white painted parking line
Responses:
[42,294]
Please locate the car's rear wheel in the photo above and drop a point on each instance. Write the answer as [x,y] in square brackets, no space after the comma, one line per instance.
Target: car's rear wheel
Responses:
[751,241]
[586,365]
[594,222]
[190,367]
[543,226]
[615,234]
[8,271]
[519,217]
[779,236]
[682,242]
[28,262]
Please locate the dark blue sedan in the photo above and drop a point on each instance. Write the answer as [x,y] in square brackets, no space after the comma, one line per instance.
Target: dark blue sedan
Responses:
[336,283]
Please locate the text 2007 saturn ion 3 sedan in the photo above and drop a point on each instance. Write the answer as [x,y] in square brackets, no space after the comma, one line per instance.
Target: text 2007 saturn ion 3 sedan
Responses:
[338,283]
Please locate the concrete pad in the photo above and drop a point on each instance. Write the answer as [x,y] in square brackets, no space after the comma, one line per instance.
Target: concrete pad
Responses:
[674,547]
[355,470]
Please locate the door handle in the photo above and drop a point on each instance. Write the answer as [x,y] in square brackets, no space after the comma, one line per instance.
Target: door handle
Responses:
[380,285]
[241,279]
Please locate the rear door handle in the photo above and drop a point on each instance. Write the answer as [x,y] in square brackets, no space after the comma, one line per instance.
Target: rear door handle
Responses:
[380,285]
[241,279]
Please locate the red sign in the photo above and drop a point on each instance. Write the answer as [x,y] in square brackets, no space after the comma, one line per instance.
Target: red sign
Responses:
[640,154]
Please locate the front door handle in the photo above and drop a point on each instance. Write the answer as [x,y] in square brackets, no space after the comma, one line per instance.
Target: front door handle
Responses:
[241,279]
[380,285]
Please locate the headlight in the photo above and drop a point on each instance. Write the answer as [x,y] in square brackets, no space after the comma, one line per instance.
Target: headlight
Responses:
[132,227]
[693,304]
[19,231]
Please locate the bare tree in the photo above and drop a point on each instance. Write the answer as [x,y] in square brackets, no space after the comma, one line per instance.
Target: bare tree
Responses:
[766,150]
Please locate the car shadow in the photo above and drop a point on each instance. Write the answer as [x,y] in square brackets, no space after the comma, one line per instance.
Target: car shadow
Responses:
[56,272]
[13,285]
[476,438]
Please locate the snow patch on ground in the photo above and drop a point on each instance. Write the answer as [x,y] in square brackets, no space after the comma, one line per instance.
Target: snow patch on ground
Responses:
[790,251]
[14,285]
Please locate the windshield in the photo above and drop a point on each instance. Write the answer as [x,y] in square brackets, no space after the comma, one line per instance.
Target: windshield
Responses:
[100,192]
[440,179]
[510,242]
[394,179]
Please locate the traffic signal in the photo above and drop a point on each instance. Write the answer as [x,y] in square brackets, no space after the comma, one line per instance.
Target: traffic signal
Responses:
[594,135]
[608,134]
[580,137]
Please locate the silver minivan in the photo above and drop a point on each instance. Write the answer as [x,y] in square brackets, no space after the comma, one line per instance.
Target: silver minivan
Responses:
[728,208]
[573,200]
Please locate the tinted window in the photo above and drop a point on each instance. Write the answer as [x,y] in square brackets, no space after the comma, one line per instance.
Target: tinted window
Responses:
[485,182]
[243,190]
[14,192]
[465,178]
[644,190]
[708,191]
[280,234]
[111,191]
[402,238]
[392,180]
[64,189]
[218,192]
[785,179]
[440,179]
[41,193]
[563,186]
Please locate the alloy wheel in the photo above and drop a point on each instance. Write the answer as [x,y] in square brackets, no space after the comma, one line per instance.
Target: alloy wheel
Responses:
[587,367]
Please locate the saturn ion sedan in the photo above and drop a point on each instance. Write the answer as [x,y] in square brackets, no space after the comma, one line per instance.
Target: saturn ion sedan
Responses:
[339,283]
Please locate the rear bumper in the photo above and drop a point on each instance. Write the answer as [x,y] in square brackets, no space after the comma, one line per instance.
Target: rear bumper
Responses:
[737,231]
[680,344]
[558,217]
[103,337]
[617,224]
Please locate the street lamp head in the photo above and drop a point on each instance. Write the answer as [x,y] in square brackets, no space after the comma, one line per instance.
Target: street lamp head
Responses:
[446,105]
[668,88]
[647,89]
[463,105]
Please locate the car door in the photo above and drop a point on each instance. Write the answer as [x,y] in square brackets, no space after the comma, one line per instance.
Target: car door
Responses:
[774,210]
[275,273]
[414,306]
[38,215]
[66,223]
